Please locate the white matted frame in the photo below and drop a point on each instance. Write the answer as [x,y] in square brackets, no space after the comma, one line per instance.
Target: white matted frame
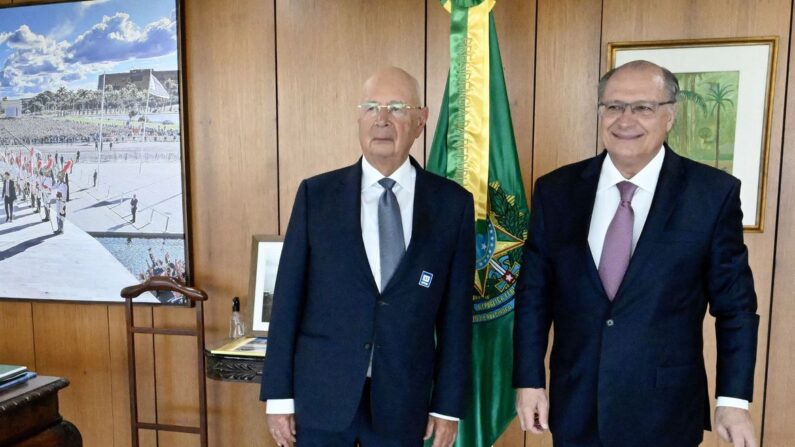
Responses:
[755,60]
[265,254]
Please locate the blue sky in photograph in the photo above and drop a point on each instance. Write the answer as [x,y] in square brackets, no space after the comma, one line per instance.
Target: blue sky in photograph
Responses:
[44,47]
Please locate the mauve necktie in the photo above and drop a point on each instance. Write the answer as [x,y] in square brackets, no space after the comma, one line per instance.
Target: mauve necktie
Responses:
[390,231]
[617,248]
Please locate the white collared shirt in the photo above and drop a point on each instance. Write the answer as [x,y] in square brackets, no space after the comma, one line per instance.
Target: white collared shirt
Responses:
[405,177]
[606,204]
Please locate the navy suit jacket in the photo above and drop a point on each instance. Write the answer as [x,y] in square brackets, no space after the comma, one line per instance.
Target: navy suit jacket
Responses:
[12,189]
[328,313]
[631,372]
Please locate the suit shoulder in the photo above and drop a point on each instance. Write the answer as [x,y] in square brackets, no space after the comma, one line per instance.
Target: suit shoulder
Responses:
[708,175]
[445,186]
[329,178]
[565,174]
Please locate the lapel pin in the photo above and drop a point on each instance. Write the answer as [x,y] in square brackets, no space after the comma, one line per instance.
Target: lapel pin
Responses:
[425,279]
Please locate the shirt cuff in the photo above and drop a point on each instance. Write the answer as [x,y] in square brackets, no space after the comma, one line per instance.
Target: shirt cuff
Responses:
[441,416]
[280,406]
[732,402]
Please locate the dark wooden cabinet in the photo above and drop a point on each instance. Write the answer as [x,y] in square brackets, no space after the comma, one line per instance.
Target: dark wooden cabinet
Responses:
[29,416]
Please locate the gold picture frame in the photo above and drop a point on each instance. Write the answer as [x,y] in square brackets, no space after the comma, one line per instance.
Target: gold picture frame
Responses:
[731,79]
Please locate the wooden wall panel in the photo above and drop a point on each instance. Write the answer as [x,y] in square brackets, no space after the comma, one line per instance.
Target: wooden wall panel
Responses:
[437,63]
[515,23]
[231,69]
[72,341]
[780,387]
[325,52]
[16,334]
[567,72]
[625,20]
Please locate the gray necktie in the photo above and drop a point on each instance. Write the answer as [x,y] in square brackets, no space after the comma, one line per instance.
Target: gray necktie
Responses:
[390,231]
[617,248]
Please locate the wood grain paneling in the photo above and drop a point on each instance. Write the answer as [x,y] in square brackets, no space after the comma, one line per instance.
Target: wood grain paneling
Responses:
[72,341]
[437,64]
[232,122]
[231,69]
[16,334]
[321,73]
[567,72]
[516,31]
[625,20]
[780,387]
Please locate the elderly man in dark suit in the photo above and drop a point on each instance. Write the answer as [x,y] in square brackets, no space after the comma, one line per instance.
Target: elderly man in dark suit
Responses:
[625,254]
[371,324]
[9,196]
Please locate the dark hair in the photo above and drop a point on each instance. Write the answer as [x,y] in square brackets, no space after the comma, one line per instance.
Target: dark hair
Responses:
[671,84]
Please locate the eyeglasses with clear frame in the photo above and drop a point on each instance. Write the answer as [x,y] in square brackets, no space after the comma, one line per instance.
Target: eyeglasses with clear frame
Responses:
[398,110]
[646,109]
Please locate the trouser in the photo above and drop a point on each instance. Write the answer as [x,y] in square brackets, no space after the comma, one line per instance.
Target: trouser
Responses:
[9,208]
[360,432]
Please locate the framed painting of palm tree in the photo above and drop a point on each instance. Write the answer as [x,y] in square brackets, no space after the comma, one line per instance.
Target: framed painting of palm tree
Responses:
[724,106]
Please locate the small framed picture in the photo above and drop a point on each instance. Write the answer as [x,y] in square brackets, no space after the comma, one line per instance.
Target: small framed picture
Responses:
[265,254]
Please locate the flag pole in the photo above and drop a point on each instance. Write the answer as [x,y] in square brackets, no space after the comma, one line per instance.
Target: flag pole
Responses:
[101,120]
[146,109]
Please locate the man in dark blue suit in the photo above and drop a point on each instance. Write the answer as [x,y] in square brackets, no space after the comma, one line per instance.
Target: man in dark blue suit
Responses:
[371,326]
[626,252]
[9,196]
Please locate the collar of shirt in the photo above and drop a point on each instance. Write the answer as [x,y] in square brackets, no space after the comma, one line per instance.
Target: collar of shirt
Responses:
[646,179]
[403,176]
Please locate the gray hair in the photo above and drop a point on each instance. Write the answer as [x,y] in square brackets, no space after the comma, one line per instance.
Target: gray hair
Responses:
[670,83]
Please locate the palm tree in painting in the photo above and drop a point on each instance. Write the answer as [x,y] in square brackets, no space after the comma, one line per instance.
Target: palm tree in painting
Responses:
[718,96]
[691,101]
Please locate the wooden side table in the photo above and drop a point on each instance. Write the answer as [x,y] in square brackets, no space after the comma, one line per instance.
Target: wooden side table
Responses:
[29,416]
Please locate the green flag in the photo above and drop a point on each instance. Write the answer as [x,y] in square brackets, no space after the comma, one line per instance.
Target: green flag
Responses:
[475,146]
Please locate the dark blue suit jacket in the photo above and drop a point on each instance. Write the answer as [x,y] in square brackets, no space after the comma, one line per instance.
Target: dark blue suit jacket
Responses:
[12,190]
[327,311]
[631,372]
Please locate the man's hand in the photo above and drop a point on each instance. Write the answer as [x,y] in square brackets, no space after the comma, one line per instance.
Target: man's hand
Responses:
[443,431]
[532,406]
[282,428]
[734,425]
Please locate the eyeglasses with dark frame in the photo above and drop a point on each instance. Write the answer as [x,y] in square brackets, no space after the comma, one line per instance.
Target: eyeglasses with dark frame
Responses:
[647,109]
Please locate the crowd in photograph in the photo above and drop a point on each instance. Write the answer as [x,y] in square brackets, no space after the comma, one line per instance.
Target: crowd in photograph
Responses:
[44,192]
[38,130]
[37,186]
[168,266]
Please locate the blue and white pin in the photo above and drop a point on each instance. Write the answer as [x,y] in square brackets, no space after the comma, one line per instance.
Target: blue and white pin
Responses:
[425,279]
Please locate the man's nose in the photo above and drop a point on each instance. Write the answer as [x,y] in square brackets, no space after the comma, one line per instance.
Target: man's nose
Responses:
[626,115]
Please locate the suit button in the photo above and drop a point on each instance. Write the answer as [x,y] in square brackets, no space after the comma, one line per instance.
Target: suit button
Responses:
[367,346]
[610,322]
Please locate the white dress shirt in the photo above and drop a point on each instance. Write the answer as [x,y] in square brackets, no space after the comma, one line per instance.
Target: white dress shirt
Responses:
[405,178]
[606,204]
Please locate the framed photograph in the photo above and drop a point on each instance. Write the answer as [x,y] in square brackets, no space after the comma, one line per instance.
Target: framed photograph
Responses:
[265,254]
[91,123]
[724,108]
